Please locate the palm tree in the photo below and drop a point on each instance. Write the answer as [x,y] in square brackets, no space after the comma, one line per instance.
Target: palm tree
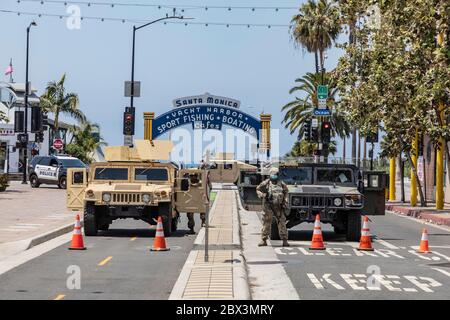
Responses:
[57,101]
[316,27]
[85,140]
[300,110]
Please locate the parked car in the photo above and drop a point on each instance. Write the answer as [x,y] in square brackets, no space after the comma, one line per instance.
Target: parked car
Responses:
[52,170]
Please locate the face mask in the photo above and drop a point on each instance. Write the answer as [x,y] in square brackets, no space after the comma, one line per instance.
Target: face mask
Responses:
[274,177]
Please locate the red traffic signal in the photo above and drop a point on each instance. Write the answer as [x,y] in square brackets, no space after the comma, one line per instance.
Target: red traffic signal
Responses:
[326,132]
[128,123]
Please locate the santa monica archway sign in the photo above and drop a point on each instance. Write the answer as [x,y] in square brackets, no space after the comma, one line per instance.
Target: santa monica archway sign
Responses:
[208,112]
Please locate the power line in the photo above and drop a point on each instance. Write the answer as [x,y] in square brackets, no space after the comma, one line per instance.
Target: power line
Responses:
[162,6]
[129,20]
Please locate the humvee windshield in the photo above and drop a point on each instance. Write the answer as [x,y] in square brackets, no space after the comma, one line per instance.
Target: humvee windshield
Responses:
[334,175]
[111,174]
[295,175]
[151,174]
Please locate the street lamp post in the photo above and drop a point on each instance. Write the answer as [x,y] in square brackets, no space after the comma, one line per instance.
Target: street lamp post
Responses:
[134,49]
[25,155]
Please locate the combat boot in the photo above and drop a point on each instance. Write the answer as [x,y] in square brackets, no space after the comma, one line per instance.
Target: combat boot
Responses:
[191,231]
[285,243]
[263,243]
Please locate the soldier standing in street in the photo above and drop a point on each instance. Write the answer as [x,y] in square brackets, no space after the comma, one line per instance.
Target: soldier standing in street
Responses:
[194,181]
[273,191]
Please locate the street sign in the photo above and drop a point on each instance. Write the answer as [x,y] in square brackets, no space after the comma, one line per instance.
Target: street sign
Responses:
[137,89]
[322,103]
[322,112]
[128,140]
[315,123]
[58,144]
[322,92]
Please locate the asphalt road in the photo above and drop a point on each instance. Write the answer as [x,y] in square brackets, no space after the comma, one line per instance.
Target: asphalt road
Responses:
[393,271]
[116,265]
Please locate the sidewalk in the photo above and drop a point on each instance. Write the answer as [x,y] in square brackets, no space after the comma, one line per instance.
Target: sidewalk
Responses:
[31,216]
[429,213]
[223,276]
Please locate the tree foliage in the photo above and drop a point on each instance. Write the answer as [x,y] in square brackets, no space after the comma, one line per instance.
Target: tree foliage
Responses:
[85,140]
[400,75]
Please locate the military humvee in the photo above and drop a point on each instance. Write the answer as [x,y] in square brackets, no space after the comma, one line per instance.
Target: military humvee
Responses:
[137,183]
[223,168]
[340,193]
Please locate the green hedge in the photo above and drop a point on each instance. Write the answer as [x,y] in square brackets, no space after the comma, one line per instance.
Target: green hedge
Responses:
[3,182]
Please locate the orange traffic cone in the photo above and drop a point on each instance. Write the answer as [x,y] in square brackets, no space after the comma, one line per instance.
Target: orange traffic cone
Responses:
[159,244]
[424,242]
[365,243]
[317,240]
[77,237]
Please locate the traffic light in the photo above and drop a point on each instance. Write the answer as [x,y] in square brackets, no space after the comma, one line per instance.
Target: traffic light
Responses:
[36,119]
[307,129]
[44,121]
[128,123]
[19,121]
[315,134]
[39,137]
[326,132]
[22,140]
[372,137]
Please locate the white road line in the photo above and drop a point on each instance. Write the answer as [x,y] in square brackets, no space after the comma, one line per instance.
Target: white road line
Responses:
[21,227]
[30,224]
[442,271]
[386,244]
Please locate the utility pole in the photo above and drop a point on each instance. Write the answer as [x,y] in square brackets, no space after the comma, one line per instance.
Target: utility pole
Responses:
[27,89]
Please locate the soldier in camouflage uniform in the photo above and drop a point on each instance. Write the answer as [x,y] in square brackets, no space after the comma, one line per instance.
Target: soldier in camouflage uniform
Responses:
[274,192]
[190,215]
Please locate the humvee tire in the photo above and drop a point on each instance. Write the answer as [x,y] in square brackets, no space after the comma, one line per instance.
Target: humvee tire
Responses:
[274,234]
[165,212]
[90,220]
[353,226]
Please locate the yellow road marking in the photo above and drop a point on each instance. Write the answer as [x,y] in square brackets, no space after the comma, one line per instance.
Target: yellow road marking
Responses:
[105,261]
[60,297]
[134,238]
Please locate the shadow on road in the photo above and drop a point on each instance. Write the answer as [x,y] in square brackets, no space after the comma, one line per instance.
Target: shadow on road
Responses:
[141,233]
[306,235]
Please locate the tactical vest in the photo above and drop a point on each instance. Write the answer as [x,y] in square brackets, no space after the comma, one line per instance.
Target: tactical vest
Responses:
[276,194]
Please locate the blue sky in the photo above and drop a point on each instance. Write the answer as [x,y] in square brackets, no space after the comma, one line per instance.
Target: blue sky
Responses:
[255,65]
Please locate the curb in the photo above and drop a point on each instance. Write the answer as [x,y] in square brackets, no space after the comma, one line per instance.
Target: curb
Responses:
[50,235]
[420,215]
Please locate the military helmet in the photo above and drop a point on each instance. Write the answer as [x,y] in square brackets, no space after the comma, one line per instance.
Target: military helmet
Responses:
[273,170]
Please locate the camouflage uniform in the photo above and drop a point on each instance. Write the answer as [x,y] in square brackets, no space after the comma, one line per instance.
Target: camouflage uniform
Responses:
[269,209]
[190,215]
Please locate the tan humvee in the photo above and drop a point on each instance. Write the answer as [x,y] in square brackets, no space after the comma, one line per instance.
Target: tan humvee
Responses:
[223,168]
[137,183]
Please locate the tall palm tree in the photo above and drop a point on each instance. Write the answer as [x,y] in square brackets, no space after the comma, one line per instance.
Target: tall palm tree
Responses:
[57,101]
[301,109]
[316,27]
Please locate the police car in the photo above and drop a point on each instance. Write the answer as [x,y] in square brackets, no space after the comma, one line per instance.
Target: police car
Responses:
[52,170]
